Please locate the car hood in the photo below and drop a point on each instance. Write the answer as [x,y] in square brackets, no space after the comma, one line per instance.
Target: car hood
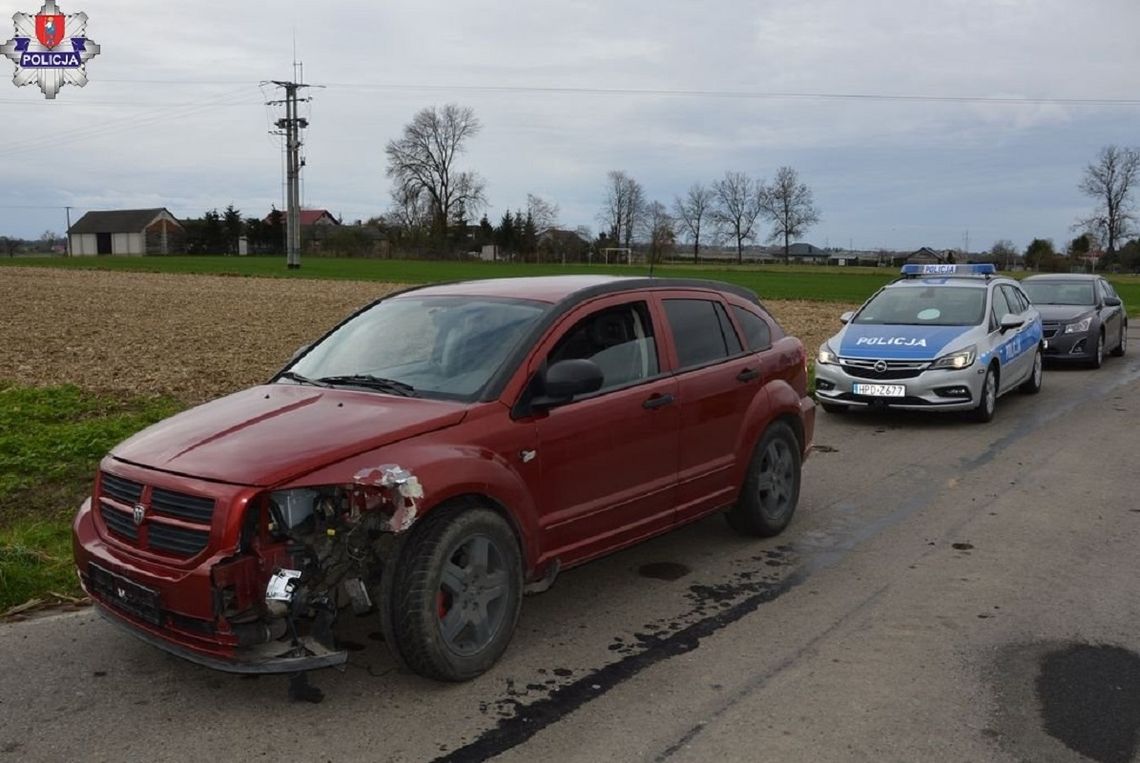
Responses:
[271,433]
[887,342]
[1063,312]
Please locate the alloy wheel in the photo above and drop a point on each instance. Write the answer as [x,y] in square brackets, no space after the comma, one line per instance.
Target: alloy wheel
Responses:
[474,595]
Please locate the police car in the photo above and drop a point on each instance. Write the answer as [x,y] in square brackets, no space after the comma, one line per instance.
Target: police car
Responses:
[941,337]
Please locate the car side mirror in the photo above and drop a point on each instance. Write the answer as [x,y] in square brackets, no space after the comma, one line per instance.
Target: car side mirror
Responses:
[1010,321]
[847,316]
[1112,302]
[567,379]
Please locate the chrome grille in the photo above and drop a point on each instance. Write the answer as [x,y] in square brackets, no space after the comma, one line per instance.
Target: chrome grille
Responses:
[892,369]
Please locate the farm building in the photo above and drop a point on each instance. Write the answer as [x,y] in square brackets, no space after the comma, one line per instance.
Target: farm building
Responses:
[126,231]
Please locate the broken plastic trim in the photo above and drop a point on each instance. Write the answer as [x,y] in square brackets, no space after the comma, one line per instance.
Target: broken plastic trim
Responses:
[400,487]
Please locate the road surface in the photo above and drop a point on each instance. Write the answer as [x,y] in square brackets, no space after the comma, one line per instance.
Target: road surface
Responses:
[947,591]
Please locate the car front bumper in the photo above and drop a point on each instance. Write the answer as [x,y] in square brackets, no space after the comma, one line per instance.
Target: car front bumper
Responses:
[944,390]
[1062,346]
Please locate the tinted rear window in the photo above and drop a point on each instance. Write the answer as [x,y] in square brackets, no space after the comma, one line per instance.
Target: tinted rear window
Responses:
[756,330]
[699,331]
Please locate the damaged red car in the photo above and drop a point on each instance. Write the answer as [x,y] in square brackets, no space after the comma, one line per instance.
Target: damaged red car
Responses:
[436,455]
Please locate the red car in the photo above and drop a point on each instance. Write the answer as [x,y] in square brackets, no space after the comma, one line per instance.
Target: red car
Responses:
[439,453]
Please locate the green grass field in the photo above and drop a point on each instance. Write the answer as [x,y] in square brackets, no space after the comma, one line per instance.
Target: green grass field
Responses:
[51,440]
[826,284]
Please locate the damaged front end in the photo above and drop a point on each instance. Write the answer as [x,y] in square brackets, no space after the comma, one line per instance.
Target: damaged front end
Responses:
[302,555]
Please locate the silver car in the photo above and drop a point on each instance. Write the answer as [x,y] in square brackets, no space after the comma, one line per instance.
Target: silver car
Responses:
[941,337]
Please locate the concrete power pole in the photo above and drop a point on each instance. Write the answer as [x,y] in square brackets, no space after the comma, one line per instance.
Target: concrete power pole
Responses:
[291,127]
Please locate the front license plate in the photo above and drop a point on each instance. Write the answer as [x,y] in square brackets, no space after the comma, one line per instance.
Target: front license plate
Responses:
[880,390]
[125,595]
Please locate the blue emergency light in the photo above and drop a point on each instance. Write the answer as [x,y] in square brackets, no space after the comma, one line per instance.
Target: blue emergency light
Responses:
[949,270]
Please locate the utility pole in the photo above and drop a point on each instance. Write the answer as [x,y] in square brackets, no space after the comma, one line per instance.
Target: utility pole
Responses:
[68,232]
[291,126]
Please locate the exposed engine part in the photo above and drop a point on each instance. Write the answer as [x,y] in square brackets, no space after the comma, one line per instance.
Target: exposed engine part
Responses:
[292,507]
[401,488]
[358,595]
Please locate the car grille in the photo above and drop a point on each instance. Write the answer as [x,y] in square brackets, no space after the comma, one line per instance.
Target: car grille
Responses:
[895,369]
[167,512]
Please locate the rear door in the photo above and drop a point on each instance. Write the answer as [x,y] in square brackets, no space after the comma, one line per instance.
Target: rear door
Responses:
[1111,317]
[608,460]
[717,380]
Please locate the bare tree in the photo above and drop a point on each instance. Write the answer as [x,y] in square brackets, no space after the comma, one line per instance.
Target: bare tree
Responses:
[658,231]
[736,207]
[1004,253]
[1110,180]
[543,212]
[411,210]
[422,163]
[624,207]
[788,204]
[691,211]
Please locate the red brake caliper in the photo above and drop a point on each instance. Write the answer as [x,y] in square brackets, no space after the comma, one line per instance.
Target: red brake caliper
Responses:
[443,603]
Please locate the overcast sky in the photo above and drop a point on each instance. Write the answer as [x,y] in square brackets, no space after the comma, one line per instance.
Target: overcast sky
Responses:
[174,115]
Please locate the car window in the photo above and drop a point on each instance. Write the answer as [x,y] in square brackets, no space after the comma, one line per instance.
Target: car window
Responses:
[700,332]
[731,340]
[925,306]
[757,334]
[619,339]
[1000,306]
[1013,299]
[1050,292]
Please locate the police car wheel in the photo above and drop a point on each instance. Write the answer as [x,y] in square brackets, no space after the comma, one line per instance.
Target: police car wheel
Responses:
[1122,347]
[772,486]
[1097,360]
[1032,385]
[833,408]
[988,402]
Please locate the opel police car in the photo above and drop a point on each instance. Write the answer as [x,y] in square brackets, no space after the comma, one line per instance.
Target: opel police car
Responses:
[941,337]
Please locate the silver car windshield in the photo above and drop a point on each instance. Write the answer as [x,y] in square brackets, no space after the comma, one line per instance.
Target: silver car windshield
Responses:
[926,306]
[434,346]
[1059,292]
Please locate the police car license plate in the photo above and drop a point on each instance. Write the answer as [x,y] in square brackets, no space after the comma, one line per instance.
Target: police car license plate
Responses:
[880,390]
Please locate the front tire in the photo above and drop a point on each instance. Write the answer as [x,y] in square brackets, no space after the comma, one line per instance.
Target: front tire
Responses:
[1032,385]
[1122,347]
[1097,360]
[458,592]
[772,486]
[984,412]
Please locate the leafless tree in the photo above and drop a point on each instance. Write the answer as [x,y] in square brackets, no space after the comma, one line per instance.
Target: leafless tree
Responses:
[422,162]
[410,210]
[657,228]
[736,207]
[624,207]
[1004,253]
[691,212]
[544,213]
[1110,180]
[788,204]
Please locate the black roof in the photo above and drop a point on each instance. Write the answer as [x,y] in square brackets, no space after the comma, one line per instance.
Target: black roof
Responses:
[117,221]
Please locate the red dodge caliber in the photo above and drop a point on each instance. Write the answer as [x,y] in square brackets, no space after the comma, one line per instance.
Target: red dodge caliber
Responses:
[439,453]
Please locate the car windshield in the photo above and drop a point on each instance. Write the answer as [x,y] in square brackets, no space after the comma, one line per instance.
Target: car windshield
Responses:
[1059,292]
[926,306]
[447,347]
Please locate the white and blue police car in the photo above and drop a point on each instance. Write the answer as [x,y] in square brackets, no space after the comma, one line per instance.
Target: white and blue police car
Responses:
[941,337]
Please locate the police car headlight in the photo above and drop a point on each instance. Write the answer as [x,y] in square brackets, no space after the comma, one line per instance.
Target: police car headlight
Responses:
[957,360]
[826,356]
[1080,327]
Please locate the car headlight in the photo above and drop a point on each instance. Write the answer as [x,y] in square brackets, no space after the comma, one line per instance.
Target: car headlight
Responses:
[957,360]
[1080,327]
[826,356]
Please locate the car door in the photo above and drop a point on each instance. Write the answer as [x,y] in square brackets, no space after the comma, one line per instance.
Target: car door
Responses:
[608,461]
[1112,317]
[1005,343]
[717,380]
[1025,337]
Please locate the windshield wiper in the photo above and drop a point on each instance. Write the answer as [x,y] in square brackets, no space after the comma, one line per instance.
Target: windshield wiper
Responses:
[294,376]
[369,381]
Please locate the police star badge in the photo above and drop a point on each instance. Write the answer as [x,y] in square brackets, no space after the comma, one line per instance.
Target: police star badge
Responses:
[50,49]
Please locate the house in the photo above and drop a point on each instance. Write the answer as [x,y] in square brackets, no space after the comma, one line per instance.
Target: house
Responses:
[927,256]
[309,217]
[126,231]
[563,245]
[802,253]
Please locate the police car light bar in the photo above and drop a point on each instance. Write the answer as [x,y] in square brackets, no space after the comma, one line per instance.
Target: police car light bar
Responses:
[949,270]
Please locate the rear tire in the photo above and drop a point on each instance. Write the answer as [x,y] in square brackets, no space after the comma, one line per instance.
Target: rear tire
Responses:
[458,591]
[984,412]
[771,488]
[1032,385]
[1097,360]
[1123,346]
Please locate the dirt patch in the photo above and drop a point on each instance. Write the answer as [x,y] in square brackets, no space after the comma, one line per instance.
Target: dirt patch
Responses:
[195,337]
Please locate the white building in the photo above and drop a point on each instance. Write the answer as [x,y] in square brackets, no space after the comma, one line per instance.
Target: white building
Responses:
[126,231]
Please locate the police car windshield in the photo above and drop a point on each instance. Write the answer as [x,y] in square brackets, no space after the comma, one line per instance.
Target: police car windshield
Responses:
[1060,292]
[925,306]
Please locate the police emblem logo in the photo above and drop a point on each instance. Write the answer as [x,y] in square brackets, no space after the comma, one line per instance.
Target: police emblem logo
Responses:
[50,49]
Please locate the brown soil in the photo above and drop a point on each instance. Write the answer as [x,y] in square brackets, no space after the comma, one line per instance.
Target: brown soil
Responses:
[195,337]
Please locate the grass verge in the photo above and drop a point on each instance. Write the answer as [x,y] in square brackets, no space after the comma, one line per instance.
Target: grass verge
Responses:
[51,440]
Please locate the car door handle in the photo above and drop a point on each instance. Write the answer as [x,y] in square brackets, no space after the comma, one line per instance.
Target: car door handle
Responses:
[747,375]
[658,401]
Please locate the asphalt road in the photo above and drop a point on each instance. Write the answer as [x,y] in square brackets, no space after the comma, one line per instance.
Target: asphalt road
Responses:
[947,591]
